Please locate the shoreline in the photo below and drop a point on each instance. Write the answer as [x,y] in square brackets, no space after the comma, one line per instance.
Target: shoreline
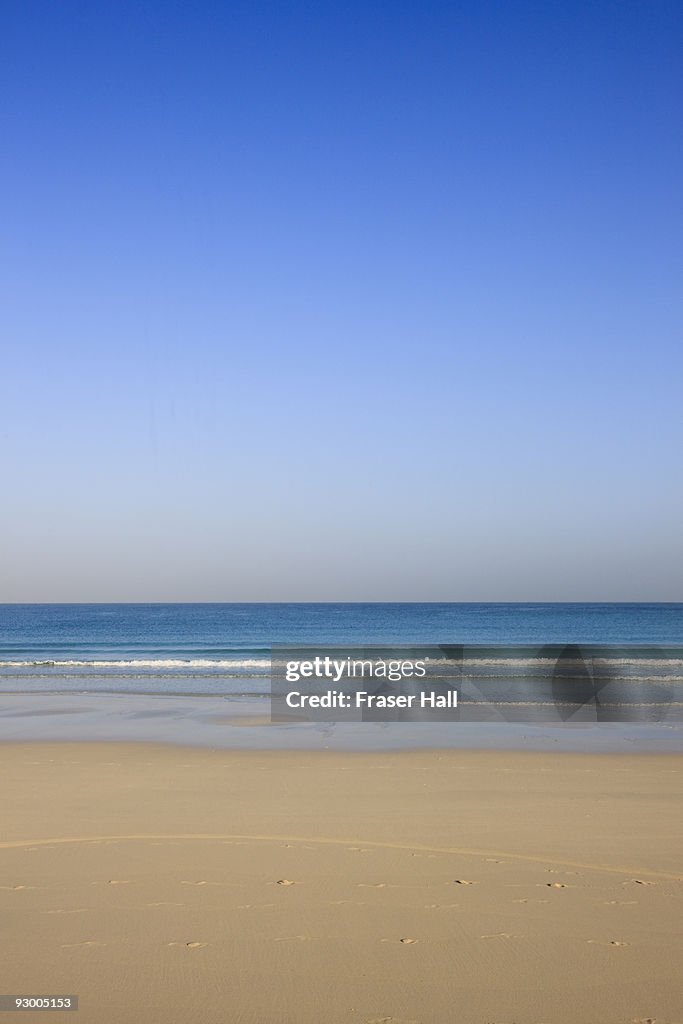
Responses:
[229,722]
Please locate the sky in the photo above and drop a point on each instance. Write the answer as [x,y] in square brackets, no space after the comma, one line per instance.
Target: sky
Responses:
[341,301]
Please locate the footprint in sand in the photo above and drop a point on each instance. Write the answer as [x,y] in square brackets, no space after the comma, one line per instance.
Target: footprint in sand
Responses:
[408,942]
[612,942]
[556,885]
[118,881]
[15,888]
[189,945]
[88,942]
[285,881]
[463,881]
[389,1020]
[639,881]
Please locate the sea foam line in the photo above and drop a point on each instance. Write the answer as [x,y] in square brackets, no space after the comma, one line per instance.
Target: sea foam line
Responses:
[142,663]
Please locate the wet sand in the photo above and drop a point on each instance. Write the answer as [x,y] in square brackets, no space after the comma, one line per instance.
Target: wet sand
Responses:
[234,723]
[175,884]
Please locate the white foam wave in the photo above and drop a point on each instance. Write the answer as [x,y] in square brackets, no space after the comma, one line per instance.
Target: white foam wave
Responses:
[135,663]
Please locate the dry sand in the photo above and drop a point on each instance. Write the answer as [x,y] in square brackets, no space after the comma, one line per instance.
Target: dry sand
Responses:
[165,884]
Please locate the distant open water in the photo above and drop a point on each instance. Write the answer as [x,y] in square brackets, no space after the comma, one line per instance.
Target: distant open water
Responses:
[224,649]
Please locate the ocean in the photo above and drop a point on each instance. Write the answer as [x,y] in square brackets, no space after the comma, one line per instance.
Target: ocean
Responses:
[200,673]
[224,649]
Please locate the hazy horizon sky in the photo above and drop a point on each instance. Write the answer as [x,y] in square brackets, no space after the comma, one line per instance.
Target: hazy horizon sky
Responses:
[358,301]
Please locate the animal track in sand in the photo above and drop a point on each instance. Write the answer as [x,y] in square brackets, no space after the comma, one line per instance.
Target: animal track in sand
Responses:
[639,881]
[189,945]
[612,942]
[556,885]
[200,881]
[463,881]
[285,881]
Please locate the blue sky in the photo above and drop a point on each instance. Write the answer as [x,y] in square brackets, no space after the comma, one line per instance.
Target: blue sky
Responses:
[362,301]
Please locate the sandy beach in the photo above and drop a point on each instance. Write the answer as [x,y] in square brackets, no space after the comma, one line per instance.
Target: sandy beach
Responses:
[173,884]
